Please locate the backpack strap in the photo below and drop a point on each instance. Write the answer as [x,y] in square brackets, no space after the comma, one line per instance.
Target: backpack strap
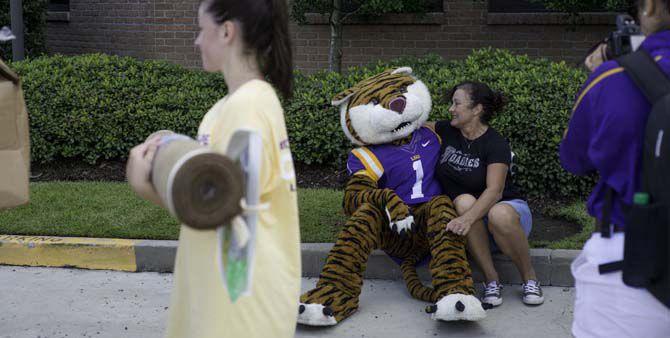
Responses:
[606,232]
[606,220]
[646,74]
[610,267]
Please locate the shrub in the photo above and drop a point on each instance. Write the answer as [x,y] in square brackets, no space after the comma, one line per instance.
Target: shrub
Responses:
[96,107]
[34,21]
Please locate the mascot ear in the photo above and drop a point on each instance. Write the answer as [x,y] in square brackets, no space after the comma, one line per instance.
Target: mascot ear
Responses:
[402,70]
[343,96]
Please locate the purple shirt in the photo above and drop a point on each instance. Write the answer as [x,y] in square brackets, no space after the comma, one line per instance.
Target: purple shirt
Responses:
[606,130]
[408,169]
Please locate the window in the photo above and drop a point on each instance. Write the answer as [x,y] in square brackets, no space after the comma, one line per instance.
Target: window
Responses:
[434,6]
[59,5]
[515,6]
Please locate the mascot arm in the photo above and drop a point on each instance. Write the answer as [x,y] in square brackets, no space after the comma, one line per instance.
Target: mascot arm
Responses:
[362,188]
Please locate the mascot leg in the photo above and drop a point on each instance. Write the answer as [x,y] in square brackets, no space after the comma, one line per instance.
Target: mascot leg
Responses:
[412,249]
[449,268]
[414,286]
[336,294]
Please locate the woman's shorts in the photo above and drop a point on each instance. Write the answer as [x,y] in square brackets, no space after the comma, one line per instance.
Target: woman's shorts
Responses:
[525,216]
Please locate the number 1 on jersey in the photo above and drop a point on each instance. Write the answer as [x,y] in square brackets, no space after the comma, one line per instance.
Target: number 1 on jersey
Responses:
[417,188]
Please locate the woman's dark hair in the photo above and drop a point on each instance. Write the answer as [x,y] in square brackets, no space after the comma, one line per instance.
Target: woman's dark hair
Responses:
[491,101]
[265,30]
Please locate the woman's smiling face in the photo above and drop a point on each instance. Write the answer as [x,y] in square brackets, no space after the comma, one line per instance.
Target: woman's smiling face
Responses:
[462,111]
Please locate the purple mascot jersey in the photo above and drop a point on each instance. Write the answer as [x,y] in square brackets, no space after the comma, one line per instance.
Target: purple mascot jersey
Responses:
[410,167]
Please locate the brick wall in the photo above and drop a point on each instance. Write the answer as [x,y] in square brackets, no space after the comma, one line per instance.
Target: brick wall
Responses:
[166,29]
[146,29]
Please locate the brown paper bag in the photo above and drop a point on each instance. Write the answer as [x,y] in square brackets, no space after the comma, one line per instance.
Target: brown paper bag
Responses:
[14,141]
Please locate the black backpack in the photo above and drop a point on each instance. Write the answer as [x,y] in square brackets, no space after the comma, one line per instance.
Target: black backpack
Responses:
[647,241]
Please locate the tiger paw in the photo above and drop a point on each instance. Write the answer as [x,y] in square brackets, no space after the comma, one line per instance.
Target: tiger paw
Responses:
[325,306]
[457,307]
[401,226]
[315,315]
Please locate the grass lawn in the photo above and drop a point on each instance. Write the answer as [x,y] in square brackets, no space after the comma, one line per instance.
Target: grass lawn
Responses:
[112,210]
[104,209]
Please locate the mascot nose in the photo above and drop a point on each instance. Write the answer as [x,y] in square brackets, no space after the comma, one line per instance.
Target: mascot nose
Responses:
[398,105]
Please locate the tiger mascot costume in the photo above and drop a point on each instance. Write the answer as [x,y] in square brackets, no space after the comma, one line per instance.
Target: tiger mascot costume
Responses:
[394,204]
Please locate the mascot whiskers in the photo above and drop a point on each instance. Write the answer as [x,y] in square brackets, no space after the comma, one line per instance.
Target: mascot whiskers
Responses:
[394,204]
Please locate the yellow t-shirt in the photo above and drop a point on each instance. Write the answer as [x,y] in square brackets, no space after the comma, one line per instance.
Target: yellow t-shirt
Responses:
[200,304]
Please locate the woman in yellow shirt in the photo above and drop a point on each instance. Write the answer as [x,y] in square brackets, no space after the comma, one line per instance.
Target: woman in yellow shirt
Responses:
[248,42]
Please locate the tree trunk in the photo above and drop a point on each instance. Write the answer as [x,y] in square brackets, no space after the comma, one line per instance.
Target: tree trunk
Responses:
[335,52]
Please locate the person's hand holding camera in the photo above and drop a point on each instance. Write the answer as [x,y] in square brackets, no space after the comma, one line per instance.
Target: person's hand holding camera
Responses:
[596,58]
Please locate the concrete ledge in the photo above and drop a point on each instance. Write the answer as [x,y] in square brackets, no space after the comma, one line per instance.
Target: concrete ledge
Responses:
[560,269]
[54,16]
[155,256]
[86,253]
[552,266]
[380,266]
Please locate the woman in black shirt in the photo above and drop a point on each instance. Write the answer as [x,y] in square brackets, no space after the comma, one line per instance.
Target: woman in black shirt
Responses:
[474,172]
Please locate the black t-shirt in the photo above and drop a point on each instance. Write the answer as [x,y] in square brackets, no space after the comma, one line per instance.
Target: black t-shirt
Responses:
[462,166]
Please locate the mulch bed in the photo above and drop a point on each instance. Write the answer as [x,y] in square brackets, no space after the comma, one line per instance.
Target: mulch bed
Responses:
[544,228]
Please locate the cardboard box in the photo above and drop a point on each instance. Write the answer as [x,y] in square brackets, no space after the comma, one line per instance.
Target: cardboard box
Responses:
[14,141]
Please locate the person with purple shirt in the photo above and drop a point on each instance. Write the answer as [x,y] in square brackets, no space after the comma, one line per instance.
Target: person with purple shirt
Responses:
[605,135]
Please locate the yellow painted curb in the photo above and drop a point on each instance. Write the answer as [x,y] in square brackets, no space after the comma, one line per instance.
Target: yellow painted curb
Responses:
[87,253]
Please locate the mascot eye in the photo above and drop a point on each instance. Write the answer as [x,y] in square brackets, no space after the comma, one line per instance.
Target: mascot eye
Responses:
[403,89]
[374,101]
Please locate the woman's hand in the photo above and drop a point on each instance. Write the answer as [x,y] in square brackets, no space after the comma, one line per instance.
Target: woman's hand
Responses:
[460,225]
[138,168]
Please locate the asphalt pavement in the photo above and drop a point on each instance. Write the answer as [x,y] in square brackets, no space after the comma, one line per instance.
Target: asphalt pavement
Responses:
[61,302]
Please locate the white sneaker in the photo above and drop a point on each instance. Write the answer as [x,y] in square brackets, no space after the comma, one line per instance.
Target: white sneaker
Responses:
[492,293]
[532,293]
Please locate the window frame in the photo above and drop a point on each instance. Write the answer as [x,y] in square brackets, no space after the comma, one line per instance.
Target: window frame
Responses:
[58,6]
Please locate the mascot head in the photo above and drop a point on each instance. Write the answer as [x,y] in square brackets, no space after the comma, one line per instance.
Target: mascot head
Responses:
[383,108]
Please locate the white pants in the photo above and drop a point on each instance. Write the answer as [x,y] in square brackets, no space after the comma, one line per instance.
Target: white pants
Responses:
[604,305]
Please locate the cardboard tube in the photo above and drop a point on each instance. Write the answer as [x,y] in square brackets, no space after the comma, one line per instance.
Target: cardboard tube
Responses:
[199,187]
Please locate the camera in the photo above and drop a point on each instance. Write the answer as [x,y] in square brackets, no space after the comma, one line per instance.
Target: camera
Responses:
[626,39]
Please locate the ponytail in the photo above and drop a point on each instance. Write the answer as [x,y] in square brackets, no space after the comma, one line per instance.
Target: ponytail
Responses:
[499,102]
[279,59]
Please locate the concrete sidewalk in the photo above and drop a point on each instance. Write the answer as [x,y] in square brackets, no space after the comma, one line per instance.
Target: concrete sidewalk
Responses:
[53,302]
[552,266]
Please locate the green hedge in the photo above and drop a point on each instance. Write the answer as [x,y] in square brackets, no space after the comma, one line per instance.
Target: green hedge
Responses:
[96,107]
[34,21]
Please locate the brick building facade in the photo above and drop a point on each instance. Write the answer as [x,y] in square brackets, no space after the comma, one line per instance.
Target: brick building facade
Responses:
[166,29]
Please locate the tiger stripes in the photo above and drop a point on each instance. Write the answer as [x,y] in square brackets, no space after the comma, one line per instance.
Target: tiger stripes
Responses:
[367,229]
[449,267]
[382,88]
[362,189]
